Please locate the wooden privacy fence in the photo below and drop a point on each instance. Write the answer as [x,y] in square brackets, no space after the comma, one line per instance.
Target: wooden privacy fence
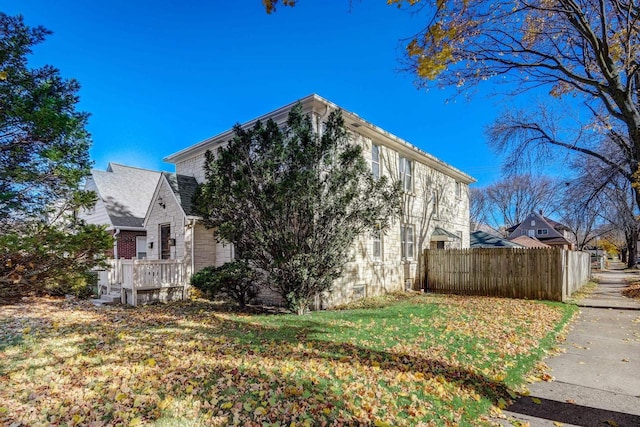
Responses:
[547,274]
[157,280]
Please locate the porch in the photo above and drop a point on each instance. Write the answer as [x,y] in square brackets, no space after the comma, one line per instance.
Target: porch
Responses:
[136,282]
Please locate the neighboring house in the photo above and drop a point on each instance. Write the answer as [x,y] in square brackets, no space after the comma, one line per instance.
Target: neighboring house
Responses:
[547,231]
[436,213]
[480,239]
[124,194]
[529,242]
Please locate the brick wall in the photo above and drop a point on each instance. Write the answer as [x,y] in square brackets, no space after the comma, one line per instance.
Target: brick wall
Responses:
[126,241]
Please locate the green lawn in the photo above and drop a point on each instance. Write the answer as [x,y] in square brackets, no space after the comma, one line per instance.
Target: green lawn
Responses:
[408,359]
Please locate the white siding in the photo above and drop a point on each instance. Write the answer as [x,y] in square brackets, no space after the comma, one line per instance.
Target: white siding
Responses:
[98,214]
[364,276]
[171,214]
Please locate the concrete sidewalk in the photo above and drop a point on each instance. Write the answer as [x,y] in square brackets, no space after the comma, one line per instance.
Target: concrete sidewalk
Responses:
[597,379]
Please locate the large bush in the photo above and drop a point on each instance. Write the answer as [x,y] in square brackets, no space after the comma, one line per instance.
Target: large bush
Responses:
[44,159]
[233,280]
[292,201]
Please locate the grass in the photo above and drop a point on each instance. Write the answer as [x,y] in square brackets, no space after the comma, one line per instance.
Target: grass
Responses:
[583,292]
[406,359]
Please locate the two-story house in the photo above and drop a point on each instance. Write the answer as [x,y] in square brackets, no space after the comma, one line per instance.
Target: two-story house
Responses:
[436,211]
[543,229]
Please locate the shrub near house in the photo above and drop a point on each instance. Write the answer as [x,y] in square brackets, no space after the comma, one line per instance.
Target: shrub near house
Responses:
[293,201]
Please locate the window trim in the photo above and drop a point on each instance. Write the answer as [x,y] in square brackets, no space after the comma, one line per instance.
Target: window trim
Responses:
[404,242]
[165,246]
[375,161]
[376,239]
[141,248]
[406,178]
[435,204]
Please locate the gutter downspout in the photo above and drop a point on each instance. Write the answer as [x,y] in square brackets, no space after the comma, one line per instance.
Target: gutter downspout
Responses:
[115,243]
[115,256]
[193,245]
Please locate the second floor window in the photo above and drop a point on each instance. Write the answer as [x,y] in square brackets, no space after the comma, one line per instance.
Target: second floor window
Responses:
[375,161]
[405,174]
[543,231]
[435,205]
[458,189]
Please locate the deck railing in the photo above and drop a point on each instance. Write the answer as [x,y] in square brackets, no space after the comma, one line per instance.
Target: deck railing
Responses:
[131,276]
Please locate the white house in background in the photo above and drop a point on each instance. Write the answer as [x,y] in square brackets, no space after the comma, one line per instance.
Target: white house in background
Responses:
[124,194]
[436,213]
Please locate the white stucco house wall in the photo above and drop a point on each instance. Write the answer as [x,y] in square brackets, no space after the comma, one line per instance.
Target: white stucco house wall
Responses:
[436,213]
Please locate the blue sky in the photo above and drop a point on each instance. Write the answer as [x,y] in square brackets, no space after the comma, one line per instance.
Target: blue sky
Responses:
[158,76]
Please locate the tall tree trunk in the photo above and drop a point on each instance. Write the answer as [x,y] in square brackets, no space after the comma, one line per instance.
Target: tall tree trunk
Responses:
[632,246]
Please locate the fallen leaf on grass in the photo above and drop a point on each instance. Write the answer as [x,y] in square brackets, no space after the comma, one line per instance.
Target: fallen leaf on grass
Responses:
[94,364]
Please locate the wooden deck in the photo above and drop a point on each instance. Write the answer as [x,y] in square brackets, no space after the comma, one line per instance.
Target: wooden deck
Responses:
[143,281]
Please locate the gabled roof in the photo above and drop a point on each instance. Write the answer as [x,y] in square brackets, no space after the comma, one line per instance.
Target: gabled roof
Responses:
[320,105]
[480,239]
[184,188]
[554,224]
[125,192]
[441,235]
[529,242]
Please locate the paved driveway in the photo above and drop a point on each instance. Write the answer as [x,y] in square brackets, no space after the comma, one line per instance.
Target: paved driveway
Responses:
[597,379]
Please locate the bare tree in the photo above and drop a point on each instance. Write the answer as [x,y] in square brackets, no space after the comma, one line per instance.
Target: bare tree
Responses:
[509,201]
[477,208]
[604,200]
[622,215]
[582,213]
[586,48]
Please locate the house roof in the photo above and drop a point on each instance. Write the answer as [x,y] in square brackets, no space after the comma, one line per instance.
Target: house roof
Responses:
[555,241]
[317,103]
[529,242]
[555,224]
[480,239]
[126,192]
[184,187]
[442,235]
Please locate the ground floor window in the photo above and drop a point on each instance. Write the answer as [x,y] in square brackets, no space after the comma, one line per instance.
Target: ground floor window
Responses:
[406,241]
[376,245]
[141,247]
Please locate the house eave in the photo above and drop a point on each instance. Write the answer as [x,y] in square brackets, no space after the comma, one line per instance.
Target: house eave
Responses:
[315,103]
[125,228]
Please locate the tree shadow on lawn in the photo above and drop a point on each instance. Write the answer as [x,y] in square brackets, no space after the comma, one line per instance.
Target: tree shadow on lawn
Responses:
[188,327]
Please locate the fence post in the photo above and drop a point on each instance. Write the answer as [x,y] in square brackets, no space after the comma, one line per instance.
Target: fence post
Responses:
[425,270]
[134,275]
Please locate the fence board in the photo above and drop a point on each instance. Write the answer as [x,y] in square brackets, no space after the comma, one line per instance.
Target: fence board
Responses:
[548,274]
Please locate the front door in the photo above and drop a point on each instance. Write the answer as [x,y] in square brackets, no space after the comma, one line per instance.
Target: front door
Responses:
[165,249]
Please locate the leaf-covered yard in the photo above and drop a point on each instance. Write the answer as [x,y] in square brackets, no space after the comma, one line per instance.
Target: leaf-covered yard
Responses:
[409,359]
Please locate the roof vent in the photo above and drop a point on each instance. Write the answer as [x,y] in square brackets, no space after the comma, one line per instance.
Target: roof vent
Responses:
[356,124]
